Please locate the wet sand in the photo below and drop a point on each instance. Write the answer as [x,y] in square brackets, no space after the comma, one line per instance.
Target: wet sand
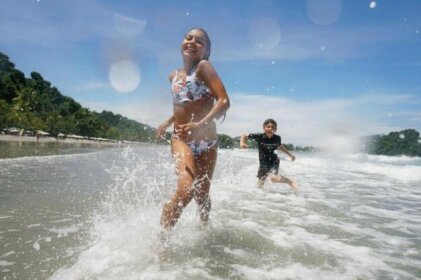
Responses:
[52,139]
[23,146]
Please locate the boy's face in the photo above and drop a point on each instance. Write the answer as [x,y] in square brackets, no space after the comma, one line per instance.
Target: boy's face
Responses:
[269,129]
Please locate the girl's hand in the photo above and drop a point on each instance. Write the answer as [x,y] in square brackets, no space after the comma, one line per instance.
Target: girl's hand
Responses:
[292,158]
[243,146]
[160,131]
[187,128]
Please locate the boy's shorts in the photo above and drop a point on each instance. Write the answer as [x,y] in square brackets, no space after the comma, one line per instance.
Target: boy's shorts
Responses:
[265,170]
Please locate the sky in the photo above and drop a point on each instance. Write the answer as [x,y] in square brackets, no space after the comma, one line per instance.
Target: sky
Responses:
[323,69]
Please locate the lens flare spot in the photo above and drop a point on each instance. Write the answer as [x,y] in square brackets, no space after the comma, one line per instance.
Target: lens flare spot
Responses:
[265,33]
[124,76]
[324,12]
[128,26]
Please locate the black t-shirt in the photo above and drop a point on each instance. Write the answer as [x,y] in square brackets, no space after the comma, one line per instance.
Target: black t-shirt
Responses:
[267,147]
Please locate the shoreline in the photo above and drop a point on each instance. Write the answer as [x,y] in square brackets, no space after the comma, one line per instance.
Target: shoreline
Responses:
[13,138]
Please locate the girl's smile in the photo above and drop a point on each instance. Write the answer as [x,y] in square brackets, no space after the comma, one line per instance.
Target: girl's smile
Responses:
[194,45]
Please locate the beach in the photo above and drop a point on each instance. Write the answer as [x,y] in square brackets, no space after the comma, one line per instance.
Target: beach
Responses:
[23,138]
[12,146]
[96,216]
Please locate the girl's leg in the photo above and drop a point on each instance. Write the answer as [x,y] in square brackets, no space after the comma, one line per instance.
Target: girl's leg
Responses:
[205,164]
[185,168]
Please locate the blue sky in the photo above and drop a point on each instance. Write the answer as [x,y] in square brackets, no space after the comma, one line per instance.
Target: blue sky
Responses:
[321,68]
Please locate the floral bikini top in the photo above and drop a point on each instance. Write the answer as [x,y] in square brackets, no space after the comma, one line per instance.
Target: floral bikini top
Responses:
[189,88]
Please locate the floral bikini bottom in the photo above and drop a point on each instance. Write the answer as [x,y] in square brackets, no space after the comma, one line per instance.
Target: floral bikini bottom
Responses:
[200,147]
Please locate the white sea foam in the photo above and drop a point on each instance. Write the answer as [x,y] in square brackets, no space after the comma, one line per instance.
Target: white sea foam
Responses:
[351,219]
[64,231]
[5,263]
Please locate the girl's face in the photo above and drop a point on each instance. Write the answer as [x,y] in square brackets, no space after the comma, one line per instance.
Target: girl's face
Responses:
[269,129]
[194,45]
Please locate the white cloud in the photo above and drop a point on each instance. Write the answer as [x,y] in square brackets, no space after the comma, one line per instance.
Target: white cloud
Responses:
[299,122]
[397,99]
[150,111]
[304,123]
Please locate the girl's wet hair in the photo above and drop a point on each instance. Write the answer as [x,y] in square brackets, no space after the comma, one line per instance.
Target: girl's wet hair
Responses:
[270,121]
[208,41]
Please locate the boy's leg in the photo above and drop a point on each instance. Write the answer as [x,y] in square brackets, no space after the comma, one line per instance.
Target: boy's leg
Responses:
[261,182]
[262,175]
[284,180]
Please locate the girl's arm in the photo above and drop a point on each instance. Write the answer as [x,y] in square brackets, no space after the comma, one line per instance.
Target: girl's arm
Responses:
[285,150]
[160,131]
[208,75]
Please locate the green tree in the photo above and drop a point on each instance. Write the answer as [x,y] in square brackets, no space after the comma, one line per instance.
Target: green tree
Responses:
[225,141]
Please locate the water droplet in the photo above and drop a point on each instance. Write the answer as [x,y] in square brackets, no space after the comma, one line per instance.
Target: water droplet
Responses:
[36,246]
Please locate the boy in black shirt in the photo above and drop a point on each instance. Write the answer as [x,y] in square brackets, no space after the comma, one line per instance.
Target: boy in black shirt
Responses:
[268,142]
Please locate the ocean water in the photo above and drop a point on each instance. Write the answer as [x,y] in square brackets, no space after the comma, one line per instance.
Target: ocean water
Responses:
[96,216]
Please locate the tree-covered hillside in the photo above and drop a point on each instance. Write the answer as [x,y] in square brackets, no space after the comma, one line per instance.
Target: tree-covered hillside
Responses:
[405,142]
[34,104]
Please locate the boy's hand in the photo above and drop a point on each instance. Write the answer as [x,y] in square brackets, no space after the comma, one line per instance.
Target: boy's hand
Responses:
[243,146]
[292,157]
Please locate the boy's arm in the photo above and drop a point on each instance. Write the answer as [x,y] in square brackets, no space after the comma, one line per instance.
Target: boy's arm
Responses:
[285,150]
[243,141]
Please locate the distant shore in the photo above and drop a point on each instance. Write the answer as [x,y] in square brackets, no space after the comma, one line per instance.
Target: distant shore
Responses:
[52,139]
